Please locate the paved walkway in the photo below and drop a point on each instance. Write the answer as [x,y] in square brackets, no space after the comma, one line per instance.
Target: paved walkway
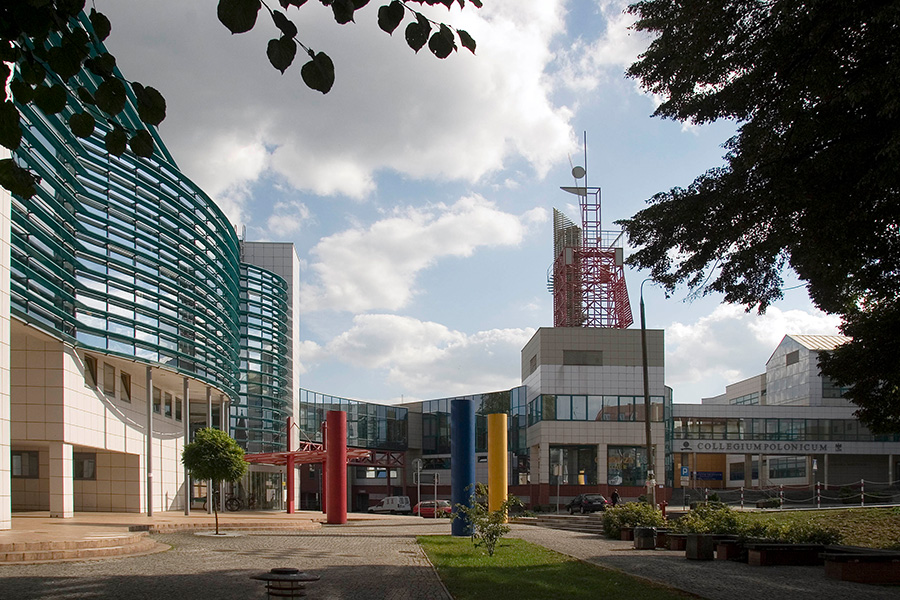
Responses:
[376,558]
[715,580]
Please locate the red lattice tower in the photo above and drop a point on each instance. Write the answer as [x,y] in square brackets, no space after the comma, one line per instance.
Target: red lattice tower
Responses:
[588,278]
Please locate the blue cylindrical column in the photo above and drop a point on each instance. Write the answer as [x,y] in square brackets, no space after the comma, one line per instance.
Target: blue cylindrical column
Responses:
[462,460]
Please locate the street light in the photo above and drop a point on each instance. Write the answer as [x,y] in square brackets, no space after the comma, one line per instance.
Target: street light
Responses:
[651,482]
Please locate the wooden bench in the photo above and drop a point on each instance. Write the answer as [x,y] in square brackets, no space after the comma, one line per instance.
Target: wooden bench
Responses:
[862,565]
[777,553]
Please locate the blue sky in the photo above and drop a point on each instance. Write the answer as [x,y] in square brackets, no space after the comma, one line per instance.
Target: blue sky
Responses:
[419,192]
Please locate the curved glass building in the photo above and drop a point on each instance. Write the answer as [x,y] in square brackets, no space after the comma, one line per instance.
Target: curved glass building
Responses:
[132,320]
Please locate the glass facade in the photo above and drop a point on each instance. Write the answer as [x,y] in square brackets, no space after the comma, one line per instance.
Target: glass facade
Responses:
[259,420]
[626,465]
[559,407]
[436,421]
[123,255]
[373,426]
[573,465]
[834,430]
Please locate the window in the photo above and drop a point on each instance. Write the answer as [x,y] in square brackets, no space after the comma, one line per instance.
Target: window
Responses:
[84,465]
[626,465]
[25,464]
[177,409]
[157,400]
[585,358]
[831,390]
[792,466]
[532,364]
[90,371]
[109,380]
[573,465]
[168,406]
[792,358]
[125,382]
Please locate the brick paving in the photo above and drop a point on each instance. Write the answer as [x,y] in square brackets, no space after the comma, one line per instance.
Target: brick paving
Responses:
[363,560]
[378,559]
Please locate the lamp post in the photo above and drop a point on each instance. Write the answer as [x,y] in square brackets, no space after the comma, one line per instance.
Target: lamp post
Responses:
[651,482]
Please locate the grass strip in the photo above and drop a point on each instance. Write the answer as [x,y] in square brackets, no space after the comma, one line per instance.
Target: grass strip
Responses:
[520,570]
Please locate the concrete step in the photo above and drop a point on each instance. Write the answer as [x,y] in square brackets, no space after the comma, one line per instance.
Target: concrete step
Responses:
[227,526]
[85,549]
[592,523]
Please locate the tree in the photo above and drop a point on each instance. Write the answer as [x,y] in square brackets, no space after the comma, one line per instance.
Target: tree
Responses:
[51,43]
[810,180]
[214,455]
[487,526]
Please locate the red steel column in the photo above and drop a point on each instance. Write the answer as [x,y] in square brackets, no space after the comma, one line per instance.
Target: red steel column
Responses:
[336,467]
[290,467]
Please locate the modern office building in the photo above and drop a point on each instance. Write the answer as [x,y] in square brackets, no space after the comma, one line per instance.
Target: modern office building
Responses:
[787,426]
[131,313]
[135,315]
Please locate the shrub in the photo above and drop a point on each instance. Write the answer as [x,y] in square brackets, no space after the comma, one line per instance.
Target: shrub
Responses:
[710,518]
[487,526]
[632,514]
[802,532]
[773,502]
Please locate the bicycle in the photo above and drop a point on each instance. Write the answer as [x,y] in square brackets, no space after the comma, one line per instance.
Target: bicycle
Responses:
[232,503]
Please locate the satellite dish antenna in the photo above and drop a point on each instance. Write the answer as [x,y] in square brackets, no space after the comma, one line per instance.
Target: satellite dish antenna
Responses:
[578,172]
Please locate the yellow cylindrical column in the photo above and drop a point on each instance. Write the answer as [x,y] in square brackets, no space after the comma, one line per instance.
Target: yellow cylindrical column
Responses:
[497,461]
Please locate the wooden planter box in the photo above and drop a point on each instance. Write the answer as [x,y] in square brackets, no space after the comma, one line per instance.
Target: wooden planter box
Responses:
[626,534]
[700,546]
[662,538]
[761,555]
[677,541]
[729,550]
[881,568]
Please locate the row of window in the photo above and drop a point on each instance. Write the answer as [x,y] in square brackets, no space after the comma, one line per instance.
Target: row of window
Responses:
[164,403]
[26,465]
[838,430]
[549,407]
[784,467]
[577,465]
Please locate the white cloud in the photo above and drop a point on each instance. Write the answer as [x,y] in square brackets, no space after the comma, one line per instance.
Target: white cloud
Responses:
[730,345]
[426,359]
[233,118]
[375,267]
[287,218]
[588,63]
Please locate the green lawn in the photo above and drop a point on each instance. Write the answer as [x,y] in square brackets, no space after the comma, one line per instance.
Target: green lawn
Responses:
[868,527]
[523,571]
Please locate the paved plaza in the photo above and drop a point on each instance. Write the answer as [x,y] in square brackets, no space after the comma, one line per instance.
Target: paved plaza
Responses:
[379,560]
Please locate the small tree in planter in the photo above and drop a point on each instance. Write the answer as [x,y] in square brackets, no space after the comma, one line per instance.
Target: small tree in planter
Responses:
[487,526]
[214,455]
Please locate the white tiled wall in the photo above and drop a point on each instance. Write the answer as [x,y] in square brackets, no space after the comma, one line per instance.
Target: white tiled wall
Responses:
[5,425]
[53,406]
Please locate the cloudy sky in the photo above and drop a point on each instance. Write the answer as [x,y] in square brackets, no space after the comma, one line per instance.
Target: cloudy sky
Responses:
[419,192]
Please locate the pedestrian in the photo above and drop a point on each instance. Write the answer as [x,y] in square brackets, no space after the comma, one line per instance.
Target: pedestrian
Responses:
[615,497]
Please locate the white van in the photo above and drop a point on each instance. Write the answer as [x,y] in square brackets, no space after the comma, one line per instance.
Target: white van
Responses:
[395,505]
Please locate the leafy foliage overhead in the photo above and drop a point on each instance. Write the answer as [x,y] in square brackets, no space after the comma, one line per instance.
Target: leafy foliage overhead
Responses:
[59,62]
[811,179]
[240,16]
[51,45]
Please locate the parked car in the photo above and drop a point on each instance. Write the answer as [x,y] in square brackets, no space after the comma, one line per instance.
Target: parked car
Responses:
[587,503]
[426,508]
[395,505]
